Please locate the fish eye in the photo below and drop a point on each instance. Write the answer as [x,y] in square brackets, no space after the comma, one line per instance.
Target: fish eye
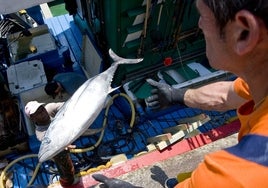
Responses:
[46,140]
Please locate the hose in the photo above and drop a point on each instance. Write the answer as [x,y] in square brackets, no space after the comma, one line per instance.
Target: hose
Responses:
[4,172]
[104,124]
[132,121]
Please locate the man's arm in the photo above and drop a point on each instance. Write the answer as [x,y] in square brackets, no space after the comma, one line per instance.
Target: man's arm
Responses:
[53,108]
[219,96]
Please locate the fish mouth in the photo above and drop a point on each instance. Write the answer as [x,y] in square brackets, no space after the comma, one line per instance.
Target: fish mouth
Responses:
[43,153]
[47,154]
[44,156]
[41,157]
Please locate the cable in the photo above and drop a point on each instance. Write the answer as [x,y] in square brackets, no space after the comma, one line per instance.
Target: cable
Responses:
[180,60]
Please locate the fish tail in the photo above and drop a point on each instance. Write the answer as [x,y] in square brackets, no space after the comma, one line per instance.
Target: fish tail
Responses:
[120,60]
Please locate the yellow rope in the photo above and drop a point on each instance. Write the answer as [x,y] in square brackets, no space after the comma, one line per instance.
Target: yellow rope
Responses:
[95,169]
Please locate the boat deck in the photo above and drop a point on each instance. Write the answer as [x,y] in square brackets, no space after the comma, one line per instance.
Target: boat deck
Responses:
[67,34]
[121,136]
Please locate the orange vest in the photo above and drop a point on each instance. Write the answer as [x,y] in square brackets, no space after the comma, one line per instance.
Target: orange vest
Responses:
[245,164]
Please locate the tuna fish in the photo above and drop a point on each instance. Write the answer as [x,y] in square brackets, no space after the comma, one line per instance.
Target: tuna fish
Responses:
[80,111]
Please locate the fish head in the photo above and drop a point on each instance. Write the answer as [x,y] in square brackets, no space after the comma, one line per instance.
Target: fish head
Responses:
[47,150]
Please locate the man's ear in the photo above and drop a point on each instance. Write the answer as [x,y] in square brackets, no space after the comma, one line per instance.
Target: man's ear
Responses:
[247,32]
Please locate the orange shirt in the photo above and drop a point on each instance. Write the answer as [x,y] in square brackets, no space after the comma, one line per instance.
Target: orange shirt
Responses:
[241,88]
[245,164]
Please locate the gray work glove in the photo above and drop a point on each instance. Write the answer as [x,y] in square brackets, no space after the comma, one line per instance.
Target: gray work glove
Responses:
[112,182]
[164,95]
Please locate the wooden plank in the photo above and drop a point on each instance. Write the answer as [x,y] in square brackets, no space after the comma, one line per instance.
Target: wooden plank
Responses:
[198,119]
[181,131]
[193,119]
[176,128]
[159,138]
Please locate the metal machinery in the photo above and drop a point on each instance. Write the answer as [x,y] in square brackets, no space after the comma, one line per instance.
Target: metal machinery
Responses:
[164,32]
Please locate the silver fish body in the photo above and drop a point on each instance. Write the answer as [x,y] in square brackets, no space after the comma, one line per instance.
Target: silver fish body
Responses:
[80,111]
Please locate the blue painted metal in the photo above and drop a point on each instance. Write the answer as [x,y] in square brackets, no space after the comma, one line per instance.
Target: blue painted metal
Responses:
[67,34]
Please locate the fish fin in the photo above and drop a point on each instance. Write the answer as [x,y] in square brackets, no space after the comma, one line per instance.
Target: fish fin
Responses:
[114,56]
[120,60]
[113,89]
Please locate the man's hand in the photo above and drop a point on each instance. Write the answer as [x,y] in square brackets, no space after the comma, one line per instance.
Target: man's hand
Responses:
[70,147]
[112,182]
[164,95]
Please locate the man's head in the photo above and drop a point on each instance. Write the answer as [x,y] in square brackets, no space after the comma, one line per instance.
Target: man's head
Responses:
[37,112]
[225,10]
[53,89]
[235,32]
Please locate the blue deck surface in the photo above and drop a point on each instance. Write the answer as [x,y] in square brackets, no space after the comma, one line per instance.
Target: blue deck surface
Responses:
[119,137]
[67,34]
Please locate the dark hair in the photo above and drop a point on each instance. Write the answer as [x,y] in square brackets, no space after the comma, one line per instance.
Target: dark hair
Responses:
[50,88]
[225,10]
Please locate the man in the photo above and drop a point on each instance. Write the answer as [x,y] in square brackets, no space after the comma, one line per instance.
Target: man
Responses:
[236,35]
[67,82]
[41,115]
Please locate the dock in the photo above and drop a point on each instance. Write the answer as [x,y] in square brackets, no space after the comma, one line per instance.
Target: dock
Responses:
[152,169]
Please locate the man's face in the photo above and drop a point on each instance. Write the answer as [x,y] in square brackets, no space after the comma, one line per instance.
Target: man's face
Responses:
[40,117]
[216,47]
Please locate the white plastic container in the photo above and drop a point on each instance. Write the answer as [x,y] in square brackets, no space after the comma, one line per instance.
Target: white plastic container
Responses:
[27,80]
[25,76]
